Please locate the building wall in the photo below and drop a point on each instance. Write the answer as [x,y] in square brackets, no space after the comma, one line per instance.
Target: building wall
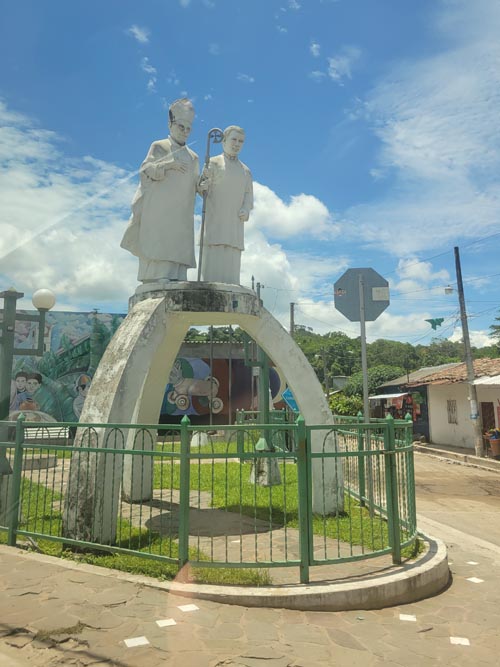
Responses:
[460,434]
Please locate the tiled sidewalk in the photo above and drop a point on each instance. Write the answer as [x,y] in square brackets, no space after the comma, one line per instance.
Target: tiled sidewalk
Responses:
[52,615]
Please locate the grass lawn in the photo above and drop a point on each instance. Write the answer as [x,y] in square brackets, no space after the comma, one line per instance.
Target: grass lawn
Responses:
[38,515]
[230,487]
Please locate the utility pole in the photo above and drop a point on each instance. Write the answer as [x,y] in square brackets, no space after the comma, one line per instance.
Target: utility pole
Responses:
[474,412]
[325,373]
[292,319]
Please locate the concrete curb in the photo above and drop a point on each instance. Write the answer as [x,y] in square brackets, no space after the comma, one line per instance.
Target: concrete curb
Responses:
[426,576]
[458,457]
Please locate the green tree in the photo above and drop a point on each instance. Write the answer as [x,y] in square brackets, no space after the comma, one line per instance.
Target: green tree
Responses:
[393,353]
[441,351]
[376,376]
[495,330]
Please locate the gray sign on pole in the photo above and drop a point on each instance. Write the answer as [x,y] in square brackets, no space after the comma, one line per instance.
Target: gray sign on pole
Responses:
[347,297]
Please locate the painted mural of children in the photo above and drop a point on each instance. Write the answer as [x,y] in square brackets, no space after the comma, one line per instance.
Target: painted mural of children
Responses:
[19,391]
[33,384]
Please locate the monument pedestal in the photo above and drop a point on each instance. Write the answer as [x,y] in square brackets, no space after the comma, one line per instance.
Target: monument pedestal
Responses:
[129,385]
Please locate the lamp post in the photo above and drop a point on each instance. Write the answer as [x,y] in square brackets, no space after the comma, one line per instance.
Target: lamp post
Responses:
[43,300]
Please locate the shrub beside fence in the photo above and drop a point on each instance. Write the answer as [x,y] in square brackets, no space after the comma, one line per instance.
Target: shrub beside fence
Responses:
[201,505]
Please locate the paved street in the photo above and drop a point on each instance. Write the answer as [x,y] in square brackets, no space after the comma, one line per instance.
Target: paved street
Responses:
[52,615]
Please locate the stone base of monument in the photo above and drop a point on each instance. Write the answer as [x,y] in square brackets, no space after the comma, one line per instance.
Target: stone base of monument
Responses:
[199,439]
[129,384]
[265,472]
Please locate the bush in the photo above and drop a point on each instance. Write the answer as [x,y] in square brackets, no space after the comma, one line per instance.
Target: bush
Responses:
[340,404]
[376,376]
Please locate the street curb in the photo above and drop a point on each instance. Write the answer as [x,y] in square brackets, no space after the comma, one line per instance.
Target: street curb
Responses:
[462,459]
[424,577]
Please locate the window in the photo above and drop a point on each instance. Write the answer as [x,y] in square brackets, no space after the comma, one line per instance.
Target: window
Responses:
[452,411]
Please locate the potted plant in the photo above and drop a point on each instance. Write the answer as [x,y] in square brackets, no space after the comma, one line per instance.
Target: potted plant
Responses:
[493,435]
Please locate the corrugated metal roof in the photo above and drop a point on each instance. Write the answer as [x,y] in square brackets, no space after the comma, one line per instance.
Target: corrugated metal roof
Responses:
[379,396]
[494,379]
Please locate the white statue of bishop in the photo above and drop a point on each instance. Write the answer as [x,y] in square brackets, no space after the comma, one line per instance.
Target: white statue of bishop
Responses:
[161,229]
[227,185]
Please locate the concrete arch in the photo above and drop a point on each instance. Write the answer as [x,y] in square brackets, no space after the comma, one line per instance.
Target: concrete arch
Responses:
[129,384]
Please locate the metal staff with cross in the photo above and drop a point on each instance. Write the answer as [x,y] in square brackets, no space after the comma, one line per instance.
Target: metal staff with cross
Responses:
[214,135]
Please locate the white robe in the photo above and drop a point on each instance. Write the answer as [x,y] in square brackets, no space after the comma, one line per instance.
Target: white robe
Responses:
[230,193]
[161,228]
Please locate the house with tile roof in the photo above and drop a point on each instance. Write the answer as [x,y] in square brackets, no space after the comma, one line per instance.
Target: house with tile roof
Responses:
[448,402]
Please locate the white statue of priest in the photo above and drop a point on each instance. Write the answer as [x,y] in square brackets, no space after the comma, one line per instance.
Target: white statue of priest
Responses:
[227,183]
[161,229]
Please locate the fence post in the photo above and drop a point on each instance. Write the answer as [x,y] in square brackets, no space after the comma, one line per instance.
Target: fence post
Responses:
[361,462]
[15,493]
[410,473]
[185,469]
[391,485]
[240,436]
[304,505]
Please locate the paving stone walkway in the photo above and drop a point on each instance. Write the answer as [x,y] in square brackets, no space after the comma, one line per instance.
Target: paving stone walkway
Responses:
[53,615]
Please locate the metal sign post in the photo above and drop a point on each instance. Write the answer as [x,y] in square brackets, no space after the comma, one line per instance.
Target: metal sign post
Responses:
[362,295]
[364,363]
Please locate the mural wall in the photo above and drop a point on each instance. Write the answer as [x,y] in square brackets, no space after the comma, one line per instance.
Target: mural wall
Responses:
[54,387]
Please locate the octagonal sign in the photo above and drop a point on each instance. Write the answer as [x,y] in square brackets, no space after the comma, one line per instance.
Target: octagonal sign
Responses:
[347,294]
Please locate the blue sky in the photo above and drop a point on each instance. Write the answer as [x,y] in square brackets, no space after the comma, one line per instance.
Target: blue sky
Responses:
[372,135]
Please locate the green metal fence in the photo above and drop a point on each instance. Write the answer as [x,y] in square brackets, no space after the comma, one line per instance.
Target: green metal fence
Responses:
[265,496]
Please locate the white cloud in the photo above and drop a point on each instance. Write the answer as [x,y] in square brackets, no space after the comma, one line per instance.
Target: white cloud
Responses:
[139,33]
[340,65]
[151,71]
[315,49]
[61,217]
[439,130]
[294,5]
[147,67]
[173,79]
[477,338]
[416,276]
[184,3]
[304,215]
[317,76]
[208,97]
[246,78]
[281,29]
[214,49]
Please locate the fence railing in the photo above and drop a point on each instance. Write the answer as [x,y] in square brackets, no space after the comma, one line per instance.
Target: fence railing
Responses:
[267,496]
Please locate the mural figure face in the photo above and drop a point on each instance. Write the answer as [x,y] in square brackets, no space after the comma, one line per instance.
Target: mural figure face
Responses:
[83,389]
[32,385]
[21,382]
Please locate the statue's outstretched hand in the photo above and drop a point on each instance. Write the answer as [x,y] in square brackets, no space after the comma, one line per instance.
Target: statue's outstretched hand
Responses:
[176,166]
